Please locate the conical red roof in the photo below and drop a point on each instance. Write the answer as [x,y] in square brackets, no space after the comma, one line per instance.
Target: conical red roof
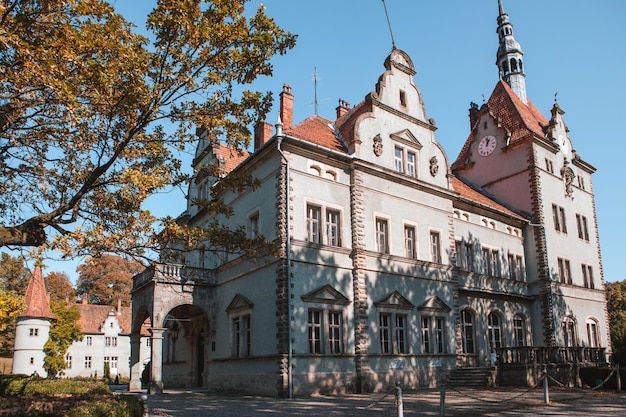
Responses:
[37,300]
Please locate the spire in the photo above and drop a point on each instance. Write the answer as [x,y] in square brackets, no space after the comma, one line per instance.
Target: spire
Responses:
[509,58]
[37,300]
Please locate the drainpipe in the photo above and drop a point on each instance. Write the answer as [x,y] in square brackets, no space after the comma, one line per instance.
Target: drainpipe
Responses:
[279,139]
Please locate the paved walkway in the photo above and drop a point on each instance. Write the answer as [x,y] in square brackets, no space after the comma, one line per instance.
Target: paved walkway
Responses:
[495,402]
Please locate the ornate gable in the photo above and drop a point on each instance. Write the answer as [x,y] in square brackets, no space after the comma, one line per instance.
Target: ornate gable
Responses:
[434,304]
[326,295]
[239,303]
[394,300]
[407,137]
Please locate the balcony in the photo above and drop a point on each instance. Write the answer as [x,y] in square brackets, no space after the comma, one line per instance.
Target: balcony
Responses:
[174,273]
[527,355]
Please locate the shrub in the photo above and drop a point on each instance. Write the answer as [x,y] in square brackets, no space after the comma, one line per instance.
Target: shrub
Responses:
[592,376]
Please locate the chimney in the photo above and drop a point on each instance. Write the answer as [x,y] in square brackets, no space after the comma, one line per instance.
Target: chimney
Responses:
[84,301]
[262,133]
[342,108]
[286,107]
[119,306]
[473,114]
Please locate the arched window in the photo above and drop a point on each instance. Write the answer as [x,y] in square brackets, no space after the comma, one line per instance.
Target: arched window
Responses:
[592,333]
[568,326]
[495,331]
[505,67]
[519,330]
[513,65]
[521,67]
[467,321]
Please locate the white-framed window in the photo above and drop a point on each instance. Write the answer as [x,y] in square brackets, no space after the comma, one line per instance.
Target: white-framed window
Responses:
[411,163]
[313,223]
[519,330]
[110,341]
[242,335]
[392,332]
[549,166]
[382,235]
[87,362]
[516,267]
[558,216]
[323,225]
[33,332]
[325,331]
[588,276]
[204,192]
[68,362]
[468,331]
[581,225]
[253,224]
[494,330]
[568,326]
[581,182]
[88,340]
[410,242]
[435,247]
[565,272]
[433,334]
[593,336]
[398,157]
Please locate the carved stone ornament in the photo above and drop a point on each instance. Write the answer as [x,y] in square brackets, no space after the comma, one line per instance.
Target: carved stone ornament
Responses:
[434,166]
[568,178]
[378,145]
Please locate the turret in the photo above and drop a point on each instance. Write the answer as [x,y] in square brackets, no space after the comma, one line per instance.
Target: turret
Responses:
[510,57]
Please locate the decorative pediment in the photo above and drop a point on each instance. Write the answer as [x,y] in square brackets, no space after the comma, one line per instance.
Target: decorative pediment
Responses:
[326,295]
[394,300]
[407,137]
[434,303]
[239,303]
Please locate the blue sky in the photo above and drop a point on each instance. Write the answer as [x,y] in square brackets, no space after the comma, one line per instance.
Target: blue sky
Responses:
[574,48]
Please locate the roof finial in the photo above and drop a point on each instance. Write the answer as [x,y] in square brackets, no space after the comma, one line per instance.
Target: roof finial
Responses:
[510,57]
[555,94]
[393,43]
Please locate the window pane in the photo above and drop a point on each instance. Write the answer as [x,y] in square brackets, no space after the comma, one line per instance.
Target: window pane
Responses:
[384,324]
[410,164]
[334,332]
[315,331]
[332,228]
[313,224]
[409,242]
[382,245]
[399,159]
[400,334]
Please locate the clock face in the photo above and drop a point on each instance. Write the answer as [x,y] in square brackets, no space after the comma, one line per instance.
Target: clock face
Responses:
[563,144]
[487,145]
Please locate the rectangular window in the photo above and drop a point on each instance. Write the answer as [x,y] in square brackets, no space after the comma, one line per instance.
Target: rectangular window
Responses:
[399,159]
[241,334]
[110,341]
[581,182]
[486,261]
[435,247]
[468,257]
[440,346]
[87,362]
[558,216]
[592,334]
[68,362]
[88,340]
[433,335]
[519,268]
[565,275]
[332,228]
[549,166]
[588,276]
[335,332]
[519,331]
[34,332]
[253,225]
[426,335]
[315,331]
[382,236]
[409,242]
[392,331]
[495,263]
[410,164]
[581,224]
[313,220]
[114,361]
[516,271]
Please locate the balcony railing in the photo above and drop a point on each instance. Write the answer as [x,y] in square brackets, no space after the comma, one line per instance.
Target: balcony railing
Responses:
[173,273]
[527,355]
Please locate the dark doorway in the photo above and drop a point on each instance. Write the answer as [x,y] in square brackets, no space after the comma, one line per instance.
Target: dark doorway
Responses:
[200,365]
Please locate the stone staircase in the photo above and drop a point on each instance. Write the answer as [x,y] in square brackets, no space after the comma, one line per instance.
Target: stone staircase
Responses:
[469,378]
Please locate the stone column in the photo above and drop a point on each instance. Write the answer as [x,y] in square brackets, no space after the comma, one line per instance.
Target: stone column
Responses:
[156,361]
[136,367]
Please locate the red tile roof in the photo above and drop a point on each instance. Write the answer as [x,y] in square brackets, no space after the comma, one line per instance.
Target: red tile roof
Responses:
[475,195]
[93,316]
[317,130]
[36,298]
[232,157]
[520,120]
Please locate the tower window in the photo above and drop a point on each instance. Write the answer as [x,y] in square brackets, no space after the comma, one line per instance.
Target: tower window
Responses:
[402,98]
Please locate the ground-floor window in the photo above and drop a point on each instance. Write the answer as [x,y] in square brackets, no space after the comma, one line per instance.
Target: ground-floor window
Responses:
[467,323]
[433,335]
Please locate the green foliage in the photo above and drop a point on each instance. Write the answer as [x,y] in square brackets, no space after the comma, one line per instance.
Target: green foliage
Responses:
[82,105]
[616,306]
[59,287]
[63,332]
[11,305]
[30,397]
[14,275]
[592,376]
[106,375]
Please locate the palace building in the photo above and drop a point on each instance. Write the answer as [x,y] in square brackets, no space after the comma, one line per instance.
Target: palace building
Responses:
[397,264]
